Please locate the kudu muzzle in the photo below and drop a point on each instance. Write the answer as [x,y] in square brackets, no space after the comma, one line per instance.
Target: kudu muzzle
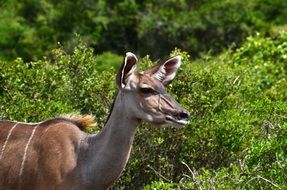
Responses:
[172,108]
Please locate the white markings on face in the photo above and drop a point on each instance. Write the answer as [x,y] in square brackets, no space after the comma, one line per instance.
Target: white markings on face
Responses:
[6,141]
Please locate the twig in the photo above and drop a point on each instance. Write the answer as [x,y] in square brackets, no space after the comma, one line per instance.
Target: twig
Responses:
[267,180]
[193,176]
[260,177]
[247,183]
[236,79]
[159,174]
[187,166]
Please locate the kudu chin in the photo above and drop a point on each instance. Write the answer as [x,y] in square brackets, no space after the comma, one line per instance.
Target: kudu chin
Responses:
[58,154]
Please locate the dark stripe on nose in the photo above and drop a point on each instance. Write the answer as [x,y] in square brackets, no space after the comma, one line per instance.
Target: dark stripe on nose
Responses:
[167,101]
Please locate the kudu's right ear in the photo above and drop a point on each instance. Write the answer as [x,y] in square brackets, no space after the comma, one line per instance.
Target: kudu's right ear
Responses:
[166,71]
[127,68]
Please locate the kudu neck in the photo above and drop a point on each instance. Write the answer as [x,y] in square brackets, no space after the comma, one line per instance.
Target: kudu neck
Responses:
[120,126]
[121,117]
[108,151]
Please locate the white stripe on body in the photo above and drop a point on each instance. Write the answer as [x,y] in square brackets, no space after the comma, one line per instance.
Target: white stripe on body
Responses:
[25,152]
[26,123]
[7,139]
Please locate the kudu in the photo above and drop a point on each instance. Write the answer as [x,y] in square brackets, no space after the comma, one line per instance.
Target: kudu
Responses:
[57,154]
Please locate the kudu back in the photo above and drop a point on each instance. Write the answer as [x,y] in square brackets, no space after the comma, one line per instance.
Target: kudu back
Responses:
[58,154]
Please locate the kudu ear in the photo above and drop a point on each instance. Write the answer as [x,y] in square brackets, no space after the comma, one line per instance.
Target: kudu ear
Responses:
[127,68]
[166,71]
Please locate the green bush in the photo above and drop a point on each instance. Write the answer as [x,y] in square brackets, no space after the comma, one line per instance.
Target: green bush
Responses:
[159,185]
[67,83]
[236,136]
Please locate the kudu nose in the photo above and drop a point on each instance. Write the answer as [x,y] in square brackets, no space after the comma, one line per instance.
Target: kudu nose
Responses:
[184,114]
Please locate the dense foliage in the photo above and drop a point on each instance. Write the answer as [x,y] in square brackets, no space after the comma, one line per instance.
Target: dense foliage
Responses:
[235,86]
[30,28]
[237,135]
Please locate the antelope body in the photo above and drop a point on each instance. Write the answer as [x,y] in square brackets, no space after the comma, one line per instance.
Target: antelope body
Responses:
[57,154]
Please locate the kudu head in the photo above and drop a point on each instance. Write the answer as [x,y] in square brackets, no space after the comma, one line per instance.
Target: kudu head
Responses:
[144,93]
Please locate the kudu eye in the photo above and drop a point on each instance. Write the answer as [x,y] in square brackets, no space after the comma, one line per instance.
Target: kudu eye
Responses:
[147,91]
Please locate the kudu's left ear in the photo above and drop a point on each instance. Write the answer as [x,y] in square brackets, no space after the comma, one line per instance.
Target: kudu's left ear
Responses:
[166,71]
[127,68]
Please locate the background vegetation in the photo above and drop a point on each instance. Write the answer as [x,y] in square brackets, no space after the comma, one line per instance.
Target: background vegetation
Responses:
[59,57]
[31,28]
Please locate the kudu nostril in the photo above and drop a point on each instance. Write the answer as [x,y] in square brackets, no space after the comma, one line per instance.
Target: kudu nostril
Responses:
[184,114]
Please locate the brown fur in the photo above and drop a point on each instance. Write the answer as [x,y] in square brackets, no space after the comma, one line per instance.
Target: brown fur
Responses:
[48,156]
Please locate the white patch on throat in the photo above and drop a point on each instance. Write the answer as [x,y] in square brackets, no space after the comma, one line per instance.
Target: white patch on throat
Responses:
[149,117]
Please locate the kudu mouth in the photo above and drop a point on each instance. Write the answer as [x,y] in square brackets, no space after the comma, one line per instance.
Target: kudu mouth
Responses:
[178,116]
[178,119]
